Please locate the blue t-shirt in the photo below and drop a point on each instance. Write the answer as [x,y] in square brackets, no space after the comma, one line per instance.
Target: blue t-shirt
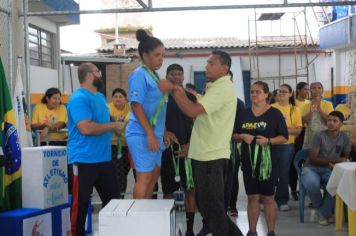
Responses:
[84,105]
[144,90]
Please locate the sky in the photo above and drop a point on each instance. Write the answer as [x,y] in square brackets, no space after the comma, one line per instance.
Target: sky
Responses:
[185,24]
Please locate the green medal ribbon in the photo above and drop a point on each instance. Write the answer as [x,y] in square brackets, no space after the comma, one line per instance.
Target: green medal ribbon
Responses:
[265,165]
[155,77]
[176,164]
[119,147]
[118,143]
[188,169]
[188,173]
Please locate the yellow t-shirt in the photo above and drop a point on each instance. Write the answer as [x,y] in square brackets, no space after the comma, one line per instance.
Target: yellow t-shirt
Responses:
[121,115]
[211,134]
[325,107]
[315,124]
[344,109]
[42,115]
[198,96]
[292,116]
[301,104]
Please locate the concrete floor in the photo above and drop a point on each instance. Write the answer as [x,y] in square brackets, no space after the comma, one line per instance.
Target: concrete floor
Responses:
[287,222]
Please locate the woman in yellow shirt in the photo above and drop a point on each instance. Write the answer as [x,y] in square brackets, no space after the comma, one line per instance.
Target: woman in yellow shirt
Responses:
[50,115]
[315,114]
[302,95]
[119,111]
[293,118]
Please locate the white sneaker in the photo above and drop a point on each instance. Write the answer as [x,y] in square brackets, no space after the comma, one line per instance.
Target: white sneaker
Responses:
[323,221]
[284,207]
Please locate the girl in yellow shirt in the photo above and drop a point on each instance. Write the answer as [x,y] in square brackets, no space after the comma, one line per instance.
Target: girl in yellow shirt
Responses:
[50,115]
[315,114]
[292,117]
[302,95]
[119,111]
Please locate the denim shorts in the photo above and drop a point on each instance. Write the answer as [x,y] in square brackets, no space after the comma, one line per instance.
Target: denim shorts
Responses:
[144,159]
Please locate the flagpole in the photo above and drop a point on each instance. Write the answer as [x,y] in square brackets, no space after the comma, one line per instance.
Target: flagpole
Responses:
[27,59]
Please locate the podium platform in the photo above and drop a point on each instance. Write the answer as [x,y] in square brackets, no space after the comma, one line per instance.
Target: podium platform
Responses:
[29,221]
[130,217]
[44,176]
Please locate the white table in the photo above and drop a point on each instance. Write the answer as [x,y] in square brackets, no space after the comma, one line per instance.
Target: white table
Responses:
[342,183]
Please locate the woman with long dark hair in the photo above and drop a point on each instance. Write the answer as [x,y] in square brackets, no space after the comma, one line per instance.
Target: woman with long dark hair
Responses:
[293,118]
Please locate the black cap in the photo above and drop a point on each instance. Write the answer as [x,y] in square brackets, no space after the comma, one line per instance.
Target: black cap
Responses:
[174,67]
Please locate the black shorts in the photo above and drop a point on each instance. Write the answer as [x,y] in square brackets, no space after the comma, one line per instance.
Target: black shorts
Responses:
[169,185]
[253,185]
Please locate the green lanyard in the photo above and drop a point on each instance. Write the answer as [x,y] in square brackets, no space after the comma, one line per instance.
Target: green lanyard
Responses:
[118,143]
[154,118]
[188,173]
[176,164]
[119,147]
[188,169]
[265,165]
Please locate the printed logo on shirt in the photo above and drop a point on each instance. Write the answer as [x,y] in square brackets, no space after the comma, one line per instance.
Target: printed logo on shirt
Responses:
[255,125]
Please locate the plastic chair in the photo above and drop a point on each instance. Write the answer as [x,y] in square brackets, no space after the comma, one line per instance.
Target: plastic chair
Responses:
[299,157]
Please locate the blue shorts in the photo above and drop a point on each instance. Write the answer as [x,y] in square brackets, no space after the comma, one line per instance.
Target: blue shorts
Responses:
[144,159]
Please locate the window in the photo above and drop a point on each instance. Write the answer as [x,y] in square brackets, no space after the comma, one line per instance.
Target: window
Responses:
[41,47]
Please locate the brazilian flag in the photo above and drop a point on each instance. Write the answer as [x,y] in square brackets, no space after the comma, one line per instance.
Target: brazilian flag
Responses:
[10,158]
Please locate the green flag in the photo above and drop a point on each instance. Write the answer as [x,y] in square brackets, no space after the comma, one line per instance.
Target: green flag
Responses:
[10,159]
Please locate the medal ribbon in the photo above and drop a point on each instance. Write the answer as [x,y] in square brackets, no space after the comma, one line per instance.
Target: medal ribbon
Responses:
[188,168]
[155,77]
[266,162]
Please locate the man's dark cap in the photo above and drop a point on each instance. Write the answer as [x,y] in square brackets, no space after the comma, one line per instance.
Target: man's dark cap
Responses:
[174,67]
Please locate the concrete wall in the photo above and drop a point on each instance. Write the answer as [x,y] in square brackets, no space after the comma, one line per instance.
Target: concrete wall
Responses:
[43,78]
[117,77]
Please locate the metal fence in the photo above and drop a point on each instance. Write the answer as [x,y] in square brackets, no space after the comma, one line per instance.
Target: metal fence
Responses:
[5,39]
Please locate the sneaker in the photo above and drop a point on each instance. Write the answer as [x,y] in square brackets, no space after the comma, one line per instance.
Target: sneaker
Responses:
[322,220]
[295,195]
[233,212]
[249,233]
[284,207]
[189,233]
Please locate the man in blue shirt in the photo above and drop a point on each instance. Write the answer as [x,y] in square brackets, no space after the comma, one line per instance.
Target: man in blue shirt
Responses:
[89,145]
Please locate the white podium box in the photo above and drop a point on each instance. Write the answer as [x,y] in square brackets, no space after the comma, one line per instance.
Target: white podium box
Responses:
[44,177]
[131,217]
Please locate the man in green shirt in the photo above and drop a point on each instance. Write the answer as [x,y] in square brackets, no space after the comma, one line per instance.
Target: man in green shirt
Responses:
[209,149]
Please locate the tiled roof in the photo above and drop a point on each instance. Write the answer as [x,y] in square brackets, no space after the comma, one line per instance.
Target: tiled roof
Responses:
[205,43]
